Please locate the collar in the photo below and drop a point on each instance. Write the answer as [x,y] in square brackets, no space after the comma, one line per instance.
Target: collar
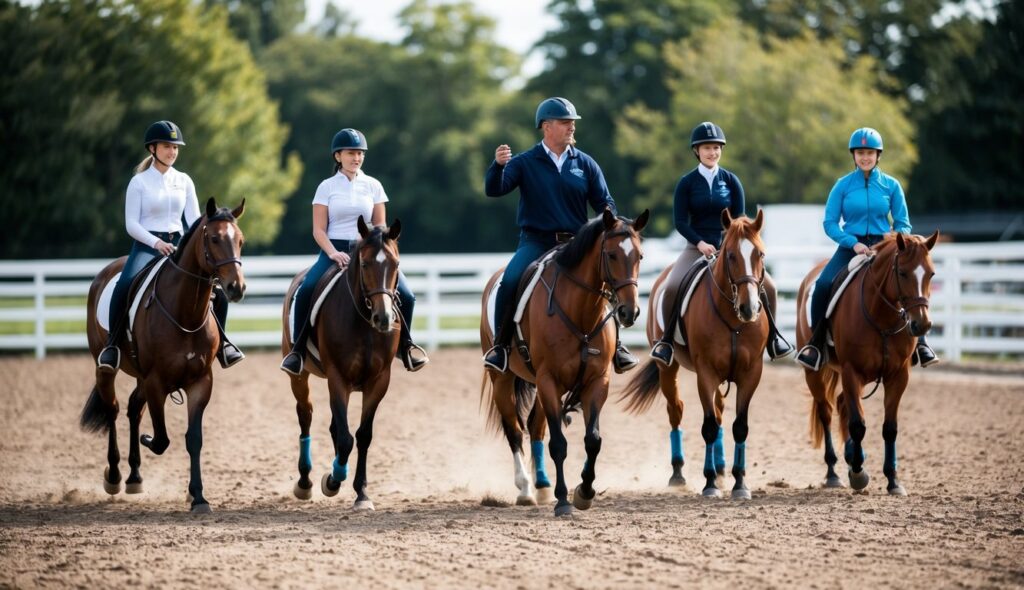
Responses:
[359,173]
[706,172]
[568,153]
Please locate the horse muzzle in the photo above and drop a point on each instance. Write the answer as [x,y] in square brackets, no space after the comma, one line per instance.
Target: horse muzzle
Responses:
[920,327]
[626,315]
[235,290]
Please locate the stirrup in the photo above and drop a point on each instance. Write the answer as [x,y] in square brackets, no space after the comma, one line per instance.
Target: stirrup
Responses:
[413,364]
[623,360]
[778,348]
[293,366]
[927,359]
[229,355]
[109,359]
[808,350]
[662,352]
[496,358]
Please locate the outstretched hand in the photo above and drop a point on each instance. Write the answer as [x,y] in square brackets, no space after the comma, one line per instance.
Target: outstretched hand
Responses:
[503,154]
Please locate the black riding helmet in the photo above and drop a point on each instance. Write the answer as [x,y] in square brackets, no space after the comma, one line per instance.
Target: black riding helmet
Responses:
[165,131]
[348,139]
[707,132]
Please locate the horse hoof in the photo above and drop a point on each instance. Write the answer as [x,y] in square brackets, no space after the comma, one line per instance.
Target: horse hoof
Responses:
[203,508]
[741,494]
[525,500]
[133,488]
[859,481]
[563,509]
[109,487]
[897,490]
[677,481]
[326,488]
[545,495]
[712,492]
[579,501]
[363,506]
[303,493]
[834,483]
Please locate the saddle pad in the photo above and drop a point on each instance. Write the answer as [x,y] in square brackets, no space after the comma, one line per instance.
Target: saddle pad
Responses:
[525,297]
[660,315]
[852,269]
[103,305]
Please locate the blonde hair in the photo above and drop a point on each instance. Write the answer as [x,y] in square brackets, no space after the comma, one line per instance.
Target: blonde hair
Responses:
[144,165]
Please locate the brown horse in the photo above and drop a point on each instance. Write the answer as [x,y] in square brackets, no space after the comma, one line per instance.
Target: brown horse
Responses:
[874,326]
[726,335]
[173,345]
[570,338]
[356,334]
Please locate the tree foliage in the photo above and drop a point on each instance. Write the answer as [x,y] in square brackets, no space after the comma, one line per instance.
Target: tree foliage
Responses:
[261,22]
[82,79]
[787,107]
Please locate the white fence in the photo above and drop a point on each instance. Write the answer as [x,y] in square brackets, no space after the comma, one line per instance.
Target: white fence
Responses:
[977,303]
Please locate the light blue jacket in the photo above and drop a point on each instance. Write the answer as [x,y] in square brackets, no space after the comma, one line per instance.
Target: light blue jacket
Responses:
[864,205]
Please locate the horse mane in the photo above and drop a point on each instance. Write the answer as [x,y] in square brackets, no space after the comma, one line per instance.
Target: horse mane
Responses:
[222,214]
[375,238]
[573,253]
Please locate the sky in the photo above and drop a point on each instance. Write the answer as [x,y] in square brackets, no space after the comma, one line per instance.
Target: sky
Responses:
[520,23]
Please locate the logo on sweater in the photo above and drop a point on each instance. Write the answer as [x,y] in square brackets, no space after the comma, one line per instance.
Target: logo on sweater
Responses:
[577,172]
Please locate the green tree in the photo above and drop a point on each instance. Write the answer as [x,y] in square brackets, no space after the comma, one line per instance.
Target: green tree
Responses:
[787,107]
[261,22]
[83,79]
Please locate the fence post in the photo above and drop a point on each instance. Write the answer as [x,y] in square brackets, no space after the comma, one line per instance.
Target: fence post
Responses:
[434,301]
[954,330]
[40,307]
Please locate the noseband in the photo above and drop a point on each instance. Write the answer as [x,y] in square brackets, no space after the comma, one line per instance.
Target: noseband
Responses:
[734,284]
[367,294]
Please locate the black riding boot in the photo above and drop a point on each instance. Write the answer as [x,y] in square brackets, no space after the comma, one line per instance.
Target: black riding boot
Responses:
[109,359]
[228,354]
[293,361]
[412,355]
[812,355]
[924,354]
[623,360]
[497,357]
[778,347]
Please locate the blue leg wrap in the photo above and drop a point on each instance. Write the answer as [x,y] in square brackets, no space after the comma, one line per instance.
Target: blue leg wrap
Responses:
[720,450]
[890,455]
[675,438]
[848,452]
[540,475]
[709,460]
[739,461]
[305,456]
[340,472]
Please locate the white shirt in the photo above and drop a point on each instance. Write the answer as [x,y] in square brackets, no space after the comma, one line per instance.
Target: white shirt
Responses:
[155,201]
[708,174]
[346,200]
[558,160]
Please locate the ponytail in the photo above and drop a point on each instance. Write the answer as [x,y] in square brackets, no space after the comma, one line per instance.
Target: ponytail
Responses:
[144,165]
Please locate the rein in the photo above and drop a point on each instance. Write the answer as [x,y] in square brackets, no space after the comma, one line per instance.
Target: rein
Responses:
[734,332]
[367,294]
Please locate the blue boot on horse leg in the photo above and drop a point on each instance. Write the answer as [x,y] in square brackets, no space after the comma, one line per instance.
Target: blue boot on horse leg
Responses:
[711,430]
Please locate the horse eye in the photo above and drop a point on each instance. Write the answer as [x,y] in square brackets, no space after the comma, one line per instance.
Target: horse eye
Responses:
[613,256]
[731,256]
[215,239]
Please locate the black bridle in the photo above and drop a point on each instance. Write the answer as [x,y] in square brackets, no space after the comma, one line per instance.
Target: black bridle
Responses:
[367,294]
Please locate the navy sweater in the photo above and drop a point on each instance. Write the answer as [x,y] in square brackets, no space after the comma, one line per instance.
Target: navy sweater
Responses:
[698,209]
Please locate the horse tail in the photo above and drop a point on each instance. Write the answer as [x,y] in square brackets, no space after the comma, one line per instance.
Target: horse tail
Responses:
[487,396]
[830,380]
[98,414]
[642,389]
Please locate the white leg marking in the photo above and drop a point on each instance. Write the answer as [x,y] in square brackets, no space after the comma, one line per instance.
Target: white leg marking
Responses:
[522,477]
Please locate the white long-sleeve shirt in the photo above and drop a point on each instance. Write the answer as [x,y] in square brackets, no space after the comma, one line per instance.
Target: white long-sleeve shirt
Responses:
[155,201]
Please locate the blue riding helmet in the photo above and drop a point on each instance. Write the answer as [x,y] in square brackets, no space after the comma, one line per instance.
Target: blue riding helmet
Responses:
[348,139]
[707,132]
[165,131]
[555,107]
[866,138]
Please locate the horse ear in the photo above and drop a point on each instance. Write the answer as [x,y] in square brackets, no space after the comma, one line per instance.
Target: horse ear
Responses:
[211,207]
[759,220]
[930,242]
[363,230]
[609,218]
[395,230]
[726,218]
[239,210]
[901,243]
[641,221]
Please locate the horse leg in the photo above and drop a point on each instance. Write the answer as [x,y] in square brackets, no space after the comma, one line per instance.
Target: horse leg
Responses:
[719,447]
[136,407]
[303,489]
[504,392]
[558,447]
[155,399]
[538,428]
[745,388]
[339,391]
[373,393]
[894,388]
[707,387]
[593,400]
[674,406]
[198,398]
[854,448]
[112,473]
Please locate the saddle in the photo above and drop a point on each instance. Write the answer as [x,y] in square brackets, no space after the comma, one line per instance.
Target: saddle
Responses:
[839,284]
[320,292]
[138,286]
[682,300]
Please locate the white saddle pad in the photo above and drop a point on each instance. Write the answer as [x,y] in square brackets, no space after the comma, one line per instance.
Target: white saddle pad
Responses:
[492,297]
[660,309]
[103,305]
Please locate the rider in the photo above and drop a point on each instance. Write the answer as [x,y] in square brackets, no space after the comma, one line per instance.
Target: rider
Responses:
[157,196]
[700,197]
[556,182]
[337,205]
[863,199]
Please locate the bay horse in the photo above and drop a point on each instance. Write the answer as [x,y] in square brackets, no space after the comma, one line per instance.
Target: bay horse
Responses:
[726,334]
[356,333]
[172,348]
[874,327]
[569,334]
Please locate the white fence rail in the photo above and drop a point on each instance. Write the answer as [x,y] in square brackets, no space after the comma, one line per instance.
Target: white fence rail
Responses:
[977,303]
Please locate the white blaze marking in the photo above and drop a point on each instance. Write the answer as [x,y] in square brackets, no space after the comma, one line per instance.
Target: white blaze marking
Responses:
[381,256]
[919,275]
[746,249]
[627,246]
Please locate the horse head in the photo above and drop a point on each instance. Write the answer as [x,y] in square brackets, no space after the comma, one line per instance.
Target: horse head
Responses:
[376,260]
[908,277]
[213,247]
[620,263]
[742,258]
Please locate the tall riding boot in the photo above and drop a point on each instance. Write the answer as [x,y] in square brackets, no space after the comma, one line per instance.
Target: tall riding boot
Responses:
[778,347]
[294,360]
[496,357]
[228,354]
[109,359]
[412,355]
[664,349]
[812,355]
[622,360]
[924,354]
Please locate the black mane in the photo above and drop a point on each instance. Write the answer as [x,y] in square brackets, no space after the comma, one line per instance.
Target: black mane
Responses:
[222,214]
[573,253]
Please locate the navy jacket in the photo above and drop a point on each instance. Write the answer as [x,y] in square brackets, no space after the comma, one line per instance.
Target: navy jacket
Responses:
[698,209]
[551,201]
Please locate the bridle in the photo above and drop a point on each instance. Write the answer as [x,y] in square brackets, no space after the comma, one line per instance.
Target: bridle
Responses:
[366,293]
[734,283]
[611,293]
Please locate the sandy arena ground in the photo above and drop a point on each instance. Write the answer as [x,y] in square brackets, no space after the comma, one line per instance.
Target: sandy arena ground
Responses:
[432,462]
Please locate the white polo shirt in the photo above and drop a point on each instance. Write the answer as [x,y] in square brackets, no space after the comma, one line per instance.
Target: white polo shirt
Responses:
[155,201]
[346,200]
